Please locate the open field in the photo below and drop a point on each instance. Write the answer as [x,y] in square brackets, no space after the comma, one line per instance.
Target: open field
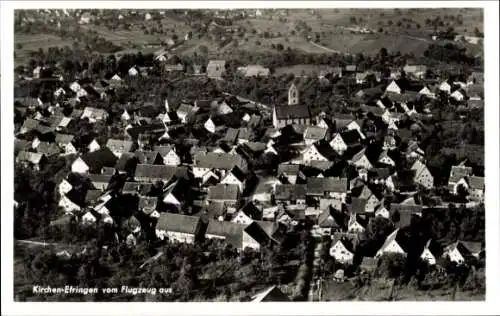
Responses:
[34,42]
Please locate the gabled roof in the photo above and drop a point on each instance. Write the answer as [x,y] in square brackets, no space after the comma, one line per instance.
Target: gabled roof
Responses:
[148,203]
[351,137]
[48,149]
[327,184]
[155,171]
[292,112]
[140,188]
[290,191]
[232,232]
[288,169]
[315,133]
[459,172]
[219,161]
[476,183]
[223,192]
[178,223]
[119,145]
[326,219]
[357,205]
[64,139]
[394,236]
[146,157]
[238,173]
[34,158]
[272,294]
[100,158]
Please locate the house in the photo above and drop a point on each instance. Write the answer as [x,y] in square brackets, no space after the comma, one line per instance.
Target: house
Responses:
[235,176]
[273,293]
[71,202]
[360,160]
[99,181]
[94,114]
[133,72]
[170,157]
[342,141]
[116,78]
[357,223]
[209,125]
[179,228]
[153,173]
[458,176]
[462,252]
[148,157]
[65,142]
[292,114]
[254,71]
[342,251]
[327,223]
[475,78]
[185,111]
[118,147]
[427,254]
[459,95]
[175,193]
[291,194]
[385,159]
[313,153]
[445,87]
[382,211]
[393,244]
[137,188]
[393,87]
[241,218]
[220,162]
[313,134]
[30,159]
[369,264]
[402,214]
[327,187]
[476,188]
[291,172]
[216,69]
[422,175]
[416,71]
[227,193]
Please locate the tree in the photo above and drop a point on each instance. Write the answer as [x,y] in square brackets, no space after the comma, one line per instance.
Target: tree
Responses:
[352,19]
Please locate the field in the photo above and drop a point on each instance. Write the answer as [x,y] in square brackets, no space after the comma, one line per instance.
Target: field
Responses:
[34,42]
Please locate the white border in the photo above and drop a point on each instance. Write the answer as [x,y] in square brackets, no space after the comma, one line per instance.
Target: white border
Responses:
[345,308]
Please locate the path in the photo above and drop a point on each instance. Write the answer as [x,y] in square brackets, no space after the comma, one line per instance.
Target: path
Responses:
[418,39]
[36,243]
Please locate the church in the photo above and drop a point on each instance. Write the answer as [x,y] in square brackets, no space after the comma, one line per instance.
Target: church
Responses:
[293,113]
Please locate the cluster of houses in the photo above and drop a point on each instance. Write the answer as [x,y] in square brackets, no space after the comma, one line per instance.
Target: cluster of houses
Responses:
[340,171]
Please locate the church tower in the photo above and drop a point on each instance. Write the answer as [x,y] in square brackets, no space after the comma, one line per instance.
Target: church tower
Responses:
[293,95]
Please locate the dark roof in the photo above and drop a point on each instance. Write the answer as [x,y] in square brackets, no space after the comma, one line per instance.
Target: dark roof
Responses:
[137,187]
[357,205]
[126,161]
[155,171]
[459,172]
[163,150]
[178,223]
[92,196]
[351,137]
[288,169]
[318,186]
[100,158]
[292,112]
[290,191]
[147,157]
[238,173]
[219,161]
[326,219]
[232,232]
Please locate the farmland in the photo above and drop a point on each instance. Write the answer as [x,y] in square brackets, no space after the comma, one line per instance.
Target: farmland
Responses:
[25,43]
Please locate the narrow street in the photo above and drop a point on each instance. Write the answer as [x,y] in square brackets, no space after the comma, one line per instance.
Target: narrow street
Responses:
[314,290]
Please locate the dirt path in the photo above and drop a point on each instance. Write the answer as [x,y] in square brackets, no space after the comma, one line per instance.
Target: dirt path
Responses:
[326,48]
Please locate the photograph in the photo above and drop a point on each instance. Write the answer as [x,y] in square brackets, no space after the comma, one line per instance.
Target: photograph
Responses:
[265,154]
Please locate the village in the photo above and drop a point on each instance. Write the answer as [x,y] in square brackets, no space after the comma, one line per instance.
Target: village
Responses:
[248,174]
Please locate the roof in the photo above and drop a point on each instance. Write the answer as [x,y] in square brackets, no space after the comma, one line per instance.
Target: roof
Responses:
[369,263]
[223,192]
[140,188]
[232,232]
[272,294]
[48,149]
[292,112]
[288,169]
[119,145]
[351,137]
[359,155]
[219,161]
[163,150]
[476,183]
[31,157]
[315,133]
[459,172]
[326,219]
[100,158]
[64,138]
[473,247]
[392,237]
[99,178]
[318,186]
[146,157]
[290,191]
[357,205]
[177,223]
[155,171]
[148,203]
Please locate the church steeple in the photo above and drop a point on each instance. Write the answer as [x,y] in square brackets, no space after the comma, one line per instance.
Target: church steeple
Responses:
[293,95]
